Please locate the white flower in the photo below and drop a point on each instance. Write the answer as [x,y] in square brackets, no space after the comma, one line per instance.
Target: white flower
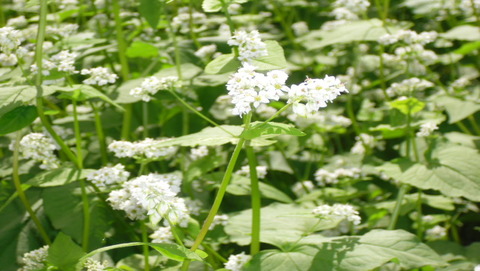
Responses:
[109,175]
[407,86]
[324,177]
[250,46]
[300,28]
[19,21]
[162,235]
[199,152]
[261,171]
[9,39]
[65,61]
[236,262]
[35,259]
[151,85]
[94,265]
[146,148]
[477,267]
[99,76]
[302,188]
[40,148]
[427,128]
[8,59]
[338,211]
[435,233]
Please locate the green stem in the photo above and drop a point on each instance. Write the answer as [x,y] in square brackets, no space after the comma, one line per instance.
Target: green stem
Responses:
[85,203]
[127,121]
[145,119]
[100,134]
[21,193]
[220,194]
[285,107]
[146,252]
[463,128]
[419,216]
[256,200]
[474,124]
[398,205]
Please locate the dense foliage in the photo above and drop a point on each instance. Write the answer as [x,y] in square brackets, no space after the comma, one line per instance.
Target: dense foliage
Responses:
[239,135]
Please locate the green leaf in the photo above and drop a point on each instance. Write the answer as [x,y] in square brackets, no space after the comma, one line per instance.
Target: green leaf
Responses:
[408,106]
[177,252]
[223,64]
[83,93]
[373,250]
[467,48]
[241,186]
[64,253]
[463,32]
[297,259]
[17,119]
[211,5]
[151,10]
[362,30]
[456,108]
[58,177]
[11,94]
[142,50]
[452,170]
[202,166]
[258,129]
[275,60]
[280,224]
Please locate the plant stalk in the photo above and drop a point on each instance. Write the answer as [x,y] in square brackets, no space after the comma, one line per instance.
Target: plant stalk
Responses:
[256,200]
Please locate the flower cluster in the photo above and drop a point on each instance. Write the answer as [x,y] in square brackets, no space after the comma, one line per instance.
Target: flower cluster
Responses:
[363,143]
[35,259]
[9,39]
[261,171]
[99,76]
[349,9]
[248,88]
[199,152]
[206,51]
[323,120]
[300,28]
[94,265]
[151,85]
[427,128]
[109,175]
[436,233]
[64,61]
[315,93]
[407,86]
[187,18]
[250,45]
[153,195]
[338,211]
[162,235]
[40,148]
[236,262]
[324,177]
[302,188]
[146,148]
[409,37]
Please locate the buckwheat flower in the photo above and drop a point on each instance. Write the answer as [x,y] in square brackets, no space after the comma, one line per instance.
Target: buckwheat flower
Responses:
[199,152]
[65,61]
[40,148]
[234,9]
[94,265]
[427,128]
[19,21]
[148,148]
[151,85]
[338,211]
[300,28]
[219,220]
[477,267]
[122,149]
[35,259]
[363,143]
[206,51]
[8,59]
[388,39]
[68,4]
[435,233]
[315,93]
[261,171]
[470,6]
[185,19]
[9,39]
[99,76]
[63,30]
[109,175]
[236,262]
[163,235]
[250,45]
[302,188]
[194,206]
[324,177]
[407,86]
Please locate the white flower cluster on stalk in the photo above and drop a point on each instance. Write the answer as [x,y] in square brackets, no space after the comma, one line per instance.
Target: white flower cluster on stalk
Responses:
[409,37]
[197,153]
[206,51]
[363,143]
[9,39]
[248,88]
[408,86]
[146,148]
[236,262]
[427,128]
[187,18]
[219,220]
[40,148]
[34,260]
[151,85]
[349,9]
[99,76]
[109,175]
[94,265]
[300,28]
[261,171]
[338,211]
[322,120]
[470,7]
[436,233]
[315,93]
[302,188]
[62,30]
[153,195]
[324,177]
[250,45]
[162,235]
